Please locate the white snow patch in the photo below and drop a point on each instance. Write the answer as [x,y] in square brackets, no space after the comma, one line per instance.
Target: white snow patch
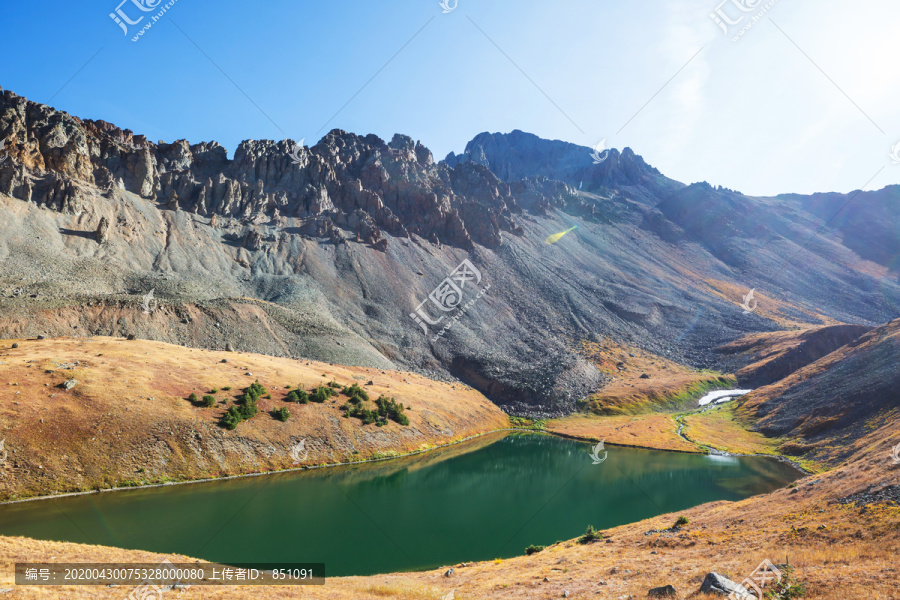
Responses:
[720,396]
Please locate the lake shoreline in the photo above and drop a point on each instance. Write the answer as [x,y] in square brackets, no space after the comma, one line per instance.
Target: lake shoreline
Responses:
[262,473]
[382,459]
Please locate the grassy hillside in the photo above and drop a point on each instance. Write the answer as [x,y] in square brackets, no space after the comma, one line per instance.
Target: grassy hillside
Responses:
[638,381]
[129,421]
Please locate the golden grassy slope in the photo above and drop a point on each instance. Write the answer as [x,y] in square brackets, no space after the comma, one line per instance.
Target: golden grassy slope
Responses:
[719,428]
[669,385]
[655,431]
[128,420]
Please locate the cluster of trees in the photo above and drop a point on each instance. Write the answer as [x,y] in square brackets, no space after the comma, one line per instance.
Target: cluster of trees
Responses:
[246,406]
[385,408]
[319,394]
[388,407]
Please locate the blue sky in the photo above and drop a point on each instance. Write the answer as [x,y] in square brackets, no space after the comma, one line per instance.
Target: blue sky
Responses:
[805,101]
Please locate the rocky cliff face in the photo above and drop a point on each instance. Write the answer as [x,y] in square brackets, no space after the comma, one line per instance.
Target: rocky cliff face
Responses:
[359,184]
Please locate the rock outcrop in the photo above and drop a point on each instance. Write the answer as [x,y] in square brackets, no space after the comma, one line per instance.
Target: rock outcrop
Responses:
[102,233]
[720,585]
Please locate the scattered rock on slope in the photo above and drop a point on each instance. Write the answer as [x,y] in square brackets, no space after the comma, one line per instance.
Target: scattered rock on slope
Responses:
[722,586]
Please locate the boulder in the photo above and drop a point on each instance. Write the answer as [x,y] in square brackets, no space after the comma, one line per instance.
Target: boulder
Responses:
[102,233]
[722,586]
[666,591]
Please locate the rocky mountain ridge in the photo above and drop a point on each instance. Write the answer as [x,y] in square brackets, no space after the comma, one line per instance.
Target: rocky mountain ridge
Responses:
[328,252]
[348,181]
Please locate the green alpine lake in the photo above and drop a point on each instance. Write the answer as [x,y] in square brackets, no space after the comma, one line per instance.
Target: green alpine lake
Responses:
[488,498]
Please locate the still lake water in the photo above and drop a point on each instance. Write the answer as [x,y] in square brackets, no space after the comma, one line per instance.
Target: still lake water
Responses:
[481,500]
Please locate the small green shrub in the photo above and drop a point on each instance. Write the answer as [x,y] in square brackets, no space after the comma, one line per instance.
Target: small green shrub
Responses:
[282,414]
[193,398]
[226,389]
[209,401]
[533,549]
[256,389]
[355,391]
[682,521]
[590,535]
[214,391]
[321,394]
[334,385]
[788,588]
[248,408]
[232,418]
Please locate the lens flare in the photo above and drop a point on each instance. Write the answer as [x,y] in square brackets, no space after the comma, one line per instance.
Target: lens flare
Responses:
[558,236]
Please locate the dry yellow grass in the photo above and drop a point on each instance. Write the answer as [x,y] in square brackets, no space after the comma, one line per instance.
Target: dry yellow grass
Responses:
[719,428]
[627,392]
[655,431]
[128,418]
